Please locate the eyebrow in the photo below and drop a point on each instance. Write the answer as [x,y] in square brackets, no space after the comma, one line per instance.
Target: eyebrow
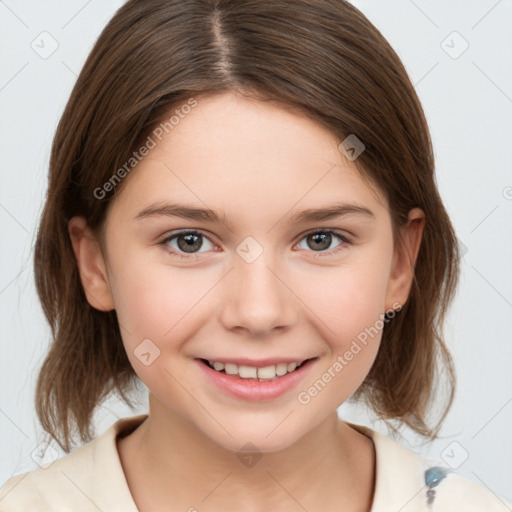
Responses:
[208,215]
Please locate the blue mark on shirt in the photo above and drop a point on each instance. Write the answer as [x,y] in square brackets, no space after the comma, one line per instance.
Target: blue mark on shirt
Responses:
[433,477]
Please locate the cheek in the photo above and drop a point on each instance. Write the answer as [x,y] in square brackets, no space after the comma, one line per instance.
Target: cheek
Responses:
[348,304]
[157,301]
[347,299]
[157,308]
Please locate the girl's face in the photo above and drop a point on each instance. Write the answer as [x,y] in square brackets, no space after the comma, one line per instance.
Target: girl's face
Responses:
[211,256]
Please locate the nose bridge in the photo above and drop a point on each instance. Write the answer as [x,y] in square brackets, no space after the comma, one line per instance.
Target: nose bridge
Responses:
[256,300]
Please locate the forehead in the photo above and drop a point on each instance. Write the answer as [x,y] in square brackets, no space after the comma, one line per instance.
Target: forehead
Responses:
[242,155]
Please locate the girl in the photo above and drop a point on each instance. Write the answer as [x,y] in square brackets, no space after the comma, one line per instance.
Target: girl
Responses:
[242,214]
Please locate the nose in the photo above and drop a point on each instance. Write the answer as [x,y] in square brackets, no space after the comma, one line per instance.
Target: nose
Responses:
[257,299]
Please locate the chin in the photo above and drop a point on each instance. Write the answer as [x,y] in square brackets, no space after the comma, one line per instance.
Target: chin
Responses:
[265,437]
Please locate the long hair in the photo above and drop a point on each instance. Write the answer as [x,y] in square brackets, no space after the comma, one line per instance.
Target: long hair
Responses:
[322,57]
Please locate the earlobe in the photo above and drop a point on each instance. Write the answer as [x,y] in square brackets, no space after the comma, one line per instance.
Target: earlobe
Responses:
[404,260]
[91,265]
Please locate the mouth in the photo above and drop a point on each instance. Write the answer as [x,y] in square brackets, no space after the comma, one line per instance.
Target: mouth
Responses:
[259,373]
[252,380]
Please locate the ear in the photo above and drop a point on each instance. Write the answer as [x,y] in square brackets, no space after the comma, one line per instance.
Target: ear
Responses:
[91,265]
[404,260]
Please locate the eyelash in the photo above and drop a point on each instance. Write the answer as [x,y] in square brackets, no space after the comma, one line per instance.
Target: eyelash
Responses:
[316,254]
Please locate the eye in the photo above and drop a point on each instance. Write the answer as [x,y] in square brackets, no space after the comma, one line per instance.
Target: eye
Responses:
[322,239]
[186,243]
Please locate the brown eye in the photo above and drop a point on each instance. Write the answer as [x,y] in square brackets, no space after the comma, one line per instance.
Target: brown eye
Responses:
[321,241]
[190,242]
[187,242]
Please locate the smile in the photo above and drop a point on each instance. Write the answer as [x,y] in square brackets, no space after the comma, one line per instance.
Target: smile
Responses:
[270,372]
[254,380]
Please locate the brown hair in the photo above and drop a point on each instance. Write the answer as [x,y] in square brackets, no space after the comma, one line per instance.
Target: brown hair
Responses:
[322,57]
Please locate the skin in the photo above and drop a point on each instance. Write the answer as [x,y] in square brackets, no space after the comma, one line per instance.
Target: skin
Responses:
[258,163]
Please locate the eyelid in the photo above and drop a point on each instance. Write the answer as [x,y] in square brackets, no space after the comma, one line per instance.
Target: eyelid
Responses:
[176,232]
[338,232]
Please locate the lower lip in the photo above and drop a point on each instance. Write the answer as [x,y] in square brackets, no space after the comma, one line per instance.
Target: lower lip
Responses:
[252,389]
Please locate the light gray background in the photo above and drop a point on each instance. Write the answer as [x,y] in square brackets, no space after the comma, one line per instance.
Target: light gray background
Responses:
[468,102]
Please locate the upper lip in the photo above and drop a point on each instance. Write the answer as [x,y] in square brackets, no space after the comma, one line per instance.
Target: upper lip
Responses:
[260,363]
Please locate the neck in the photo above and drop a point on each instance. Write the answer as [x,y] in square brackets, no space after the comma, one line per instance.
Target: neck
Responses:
[331,465]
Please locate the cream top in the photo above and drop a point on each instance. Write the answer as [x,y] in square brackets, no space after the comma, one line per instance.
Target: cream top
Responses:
[91,478]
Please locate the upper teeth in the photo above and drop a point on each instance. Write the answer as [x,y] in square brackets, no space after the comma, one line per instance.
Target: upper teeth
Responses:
[251,372]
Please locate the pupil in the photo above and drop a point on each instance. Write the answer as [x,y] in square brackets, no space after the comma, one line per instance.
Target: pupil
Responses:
[322,238]
[191,242]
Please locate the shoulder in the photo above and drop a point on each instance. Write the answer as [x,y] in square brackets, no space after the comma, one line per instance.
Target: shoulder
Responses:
[87,479]
[52,484]
[461,494]
[408,482]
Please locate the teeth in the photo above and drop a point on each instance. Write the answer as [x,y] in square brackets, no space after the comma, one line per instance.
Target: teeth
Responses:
[247,372]
[231,369]
[281,369]
[250,372]
[267,372]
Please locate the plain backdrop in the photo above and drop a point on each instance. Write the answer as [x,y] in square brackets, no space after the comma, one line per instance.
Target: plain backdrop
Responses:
[457,54]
